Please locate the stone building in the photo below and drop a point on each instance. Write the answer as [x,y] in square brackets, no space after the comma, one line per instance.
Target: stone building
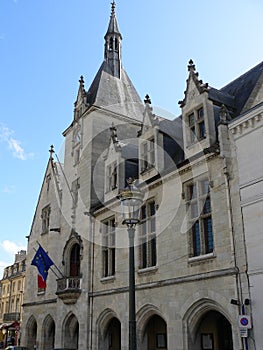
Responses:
[190,252]
[11,299]
[246,135]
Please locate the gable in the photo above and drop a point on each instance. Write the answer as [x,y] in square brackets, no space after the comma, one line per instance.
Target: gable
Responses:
[194,86]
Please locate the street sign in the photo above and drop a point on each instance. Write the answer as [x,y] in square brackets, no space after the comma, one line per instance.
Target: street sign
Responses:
[244,321]
[243,332]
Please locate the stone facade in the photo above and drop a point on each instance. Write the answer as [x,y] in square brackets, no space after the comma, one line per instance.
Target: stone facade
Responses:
[246,135]
[190,251]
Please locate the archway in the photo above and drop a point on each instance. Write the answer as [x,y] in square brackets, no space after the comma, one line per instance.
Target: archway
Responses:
[71,332]
[113,335]
[31,333]
[213,332]
[155,336]
[109,331]
[48,333]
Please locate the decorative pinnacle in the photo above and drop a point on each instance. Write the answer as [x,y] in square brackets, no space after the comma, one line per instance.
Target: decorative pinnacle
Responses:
[147,100]
[81,80]
[51,151]
[113,131]
[113,6]
[191,66]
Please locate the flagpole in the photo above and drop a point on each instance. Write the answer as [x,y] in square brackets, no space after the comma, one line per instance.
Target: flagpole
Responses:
[51,268]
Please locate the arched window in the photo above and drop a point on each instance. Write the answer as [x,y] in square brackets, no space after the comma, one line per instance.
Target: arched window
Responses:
[75,260]
[111,44]
[116,45]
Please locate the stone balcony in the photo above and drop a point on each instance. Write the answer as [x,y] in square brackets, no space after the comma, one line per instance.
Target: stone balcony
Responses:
[69,289]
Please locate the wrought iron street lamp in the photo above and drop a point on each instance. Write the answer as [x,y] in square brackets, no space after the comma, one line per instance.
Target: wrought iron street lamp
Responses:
[131,201]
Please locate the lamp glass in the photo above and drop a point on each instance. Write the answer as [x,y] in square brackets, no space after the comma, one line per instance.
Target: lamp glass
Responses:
[131,202]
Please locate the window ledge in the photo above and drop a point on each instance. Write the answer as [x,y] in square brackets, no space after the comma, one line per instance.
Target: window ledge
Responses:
[201,258]
[147,270]
[108,279]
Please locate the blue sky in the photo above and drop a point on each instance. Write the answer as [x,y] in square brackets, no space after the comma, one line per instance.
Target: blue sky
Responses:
[46,45]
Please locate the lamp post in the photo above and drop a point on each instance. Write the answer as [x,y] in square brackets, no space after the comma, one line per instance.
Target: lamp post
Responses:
[131,201]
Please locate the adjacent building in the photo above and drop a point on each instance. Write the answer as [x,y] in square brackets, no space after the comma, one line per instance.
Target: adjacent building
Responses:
[197,249]
[11,300]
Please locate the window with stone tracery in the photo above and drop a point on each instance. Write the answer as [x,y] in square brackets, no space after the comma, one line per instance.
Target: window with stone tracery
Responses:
[196,123]
[147,155]
[147,236]
[108,247]
[112,176]
[200,217]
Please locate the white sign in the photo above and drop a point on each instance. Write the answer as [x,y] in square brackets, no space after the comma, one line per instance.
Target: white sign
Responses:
[244,321]
[243,332]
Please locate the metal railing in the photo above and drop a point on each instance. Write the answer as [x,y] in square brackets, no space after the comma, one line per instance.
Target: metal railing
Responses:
[68,283]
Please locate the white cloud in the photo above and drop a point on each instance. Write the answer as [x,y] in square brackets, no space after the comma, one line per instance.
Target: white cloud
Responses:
[18,152]
[11,247]
[8,189]
[8,249]
[13,145]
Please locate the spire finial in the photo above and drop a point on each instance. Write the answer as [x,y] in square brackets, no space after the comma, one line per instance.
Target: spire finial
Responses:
[113,6]
[51,151]
[191,66]
[147,100]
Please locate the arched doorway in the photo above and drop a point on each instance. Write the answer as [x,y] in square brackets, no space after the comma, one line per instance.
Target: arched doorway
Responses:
[155,334]
[31,333]
[71,333]
[113,335]
[49,333]
[214,332]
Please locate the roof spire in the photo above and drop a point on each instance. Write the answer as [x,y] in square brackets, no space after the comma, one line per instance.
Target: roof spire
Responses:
[112,53]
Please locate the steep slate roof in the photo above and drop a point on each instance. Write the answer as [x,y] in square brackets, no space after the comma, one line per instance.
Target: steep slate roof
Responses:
[236,93]
[118,95]
[173,128]
[129,151]
[243,86]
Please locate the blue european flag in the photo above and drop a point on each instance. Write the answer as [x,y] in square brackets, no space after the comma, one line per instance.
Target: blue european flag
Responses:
[42,261]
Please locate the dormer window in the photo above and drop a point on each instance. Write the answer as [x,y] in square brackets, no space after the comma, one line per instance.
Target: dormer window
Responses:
[196,125]
[112,176]
[148,155]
